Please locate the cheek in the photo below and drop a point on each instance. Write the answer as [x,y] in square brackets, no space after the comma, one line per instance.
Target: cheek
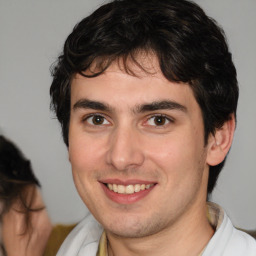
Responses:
[85,153]
[173,150]
[179,157]
[83,161]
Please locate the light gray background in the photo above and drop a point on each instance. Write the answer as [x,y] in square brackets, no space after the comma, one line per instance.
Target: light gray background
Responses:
[31,37]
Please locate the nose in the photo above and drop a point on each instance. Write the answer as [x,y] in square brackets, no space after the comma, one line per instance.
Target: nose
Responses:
[125,150]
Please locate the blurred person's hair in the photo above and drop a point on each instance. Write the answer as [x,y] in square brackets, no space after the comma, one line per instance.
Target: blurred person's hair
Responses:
[18,183]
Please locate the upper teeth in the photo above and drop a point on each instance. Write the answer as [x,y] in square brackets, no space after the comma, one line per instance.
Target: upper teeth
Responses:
[129,189]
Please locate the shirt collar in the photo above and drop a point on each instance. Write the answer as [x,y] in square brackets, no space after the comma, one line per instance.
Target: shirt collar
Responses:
[103,245]
[215,215]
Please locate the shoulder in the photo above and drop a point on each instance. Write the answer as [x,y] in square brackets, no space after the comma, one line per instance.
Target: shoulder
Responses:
[241,243]
[58,235]
[83,239]
[229,241]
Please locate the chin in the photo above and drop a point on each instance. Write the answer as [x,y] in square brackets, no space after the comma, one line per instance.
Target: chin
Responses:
[131,228]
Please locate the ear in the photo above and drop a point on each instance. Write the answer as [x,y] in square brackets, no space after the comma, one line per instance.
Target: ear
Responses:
[220,143]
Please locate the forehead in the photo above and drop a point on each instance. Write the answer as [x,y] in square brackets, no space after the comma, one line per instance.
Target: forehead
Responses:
[137,64]
[134,83]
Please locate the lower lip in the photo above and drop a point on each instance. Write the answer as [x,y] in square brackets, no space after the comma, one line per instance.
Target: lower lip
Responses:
[126,198]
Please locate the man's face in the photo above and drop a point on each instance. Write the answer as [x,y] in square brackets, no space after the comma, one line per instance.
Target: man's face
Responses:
[136,146]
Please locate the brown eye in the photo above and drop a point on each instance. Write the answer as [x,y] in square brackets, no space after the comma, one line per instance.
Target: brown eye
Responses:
[160,120]
[97,120]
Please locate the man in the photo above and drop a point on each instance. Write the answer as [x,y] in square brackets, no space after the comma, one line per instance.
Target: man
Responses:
[146,94]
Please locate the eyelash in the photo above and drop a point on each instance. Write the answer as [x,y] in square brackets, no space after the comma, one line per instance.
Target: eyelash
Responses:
[166,119]
[152,117]
[85,119]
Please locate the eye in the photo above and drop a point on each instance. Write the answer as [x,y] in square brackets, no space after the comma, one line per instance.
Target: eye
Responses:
[97,120]
[158,120]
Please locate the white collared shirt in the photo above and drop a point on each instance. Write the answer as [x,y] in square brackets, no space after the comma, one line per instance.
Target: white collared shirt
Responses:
[226,241]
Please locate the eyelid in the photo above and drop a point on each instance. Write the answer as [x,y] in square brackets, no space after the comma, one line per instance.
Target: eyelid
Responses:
[168,118]
[86,117]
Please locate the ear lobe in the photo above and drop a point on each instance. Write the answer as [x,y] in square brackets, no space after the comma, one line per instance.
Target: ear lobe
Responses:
[220,143]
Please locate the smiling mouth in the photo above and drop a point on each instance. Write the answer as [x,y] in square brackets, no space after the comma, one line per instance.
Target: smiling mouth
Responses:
[129,189]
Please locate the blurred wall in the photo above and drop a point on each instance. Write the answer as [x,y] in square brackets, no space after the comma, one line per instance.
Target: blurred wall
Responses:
[32,34]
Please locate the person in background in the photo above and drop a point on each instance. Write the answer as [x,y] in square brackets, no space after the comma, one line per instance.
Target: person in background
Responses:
[24,223]
[146,93]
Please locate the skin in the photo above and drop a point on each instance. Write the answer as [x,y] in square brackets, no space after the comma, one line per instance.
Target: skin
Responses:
[114,137]
[32,242]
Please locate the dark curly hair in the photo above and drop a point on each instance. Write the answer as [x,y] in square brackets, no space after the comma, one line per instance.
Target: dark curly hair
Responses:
[16,176]
[190,48]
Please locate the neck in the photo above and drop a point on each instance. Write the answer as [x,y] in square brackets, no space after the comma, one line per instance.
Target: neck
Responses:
[188,236]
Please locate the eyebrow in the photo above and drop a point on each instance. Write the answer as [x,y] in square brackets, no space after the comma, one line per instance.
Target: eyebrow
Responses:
[153,106]
[90,104]
[161,105]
